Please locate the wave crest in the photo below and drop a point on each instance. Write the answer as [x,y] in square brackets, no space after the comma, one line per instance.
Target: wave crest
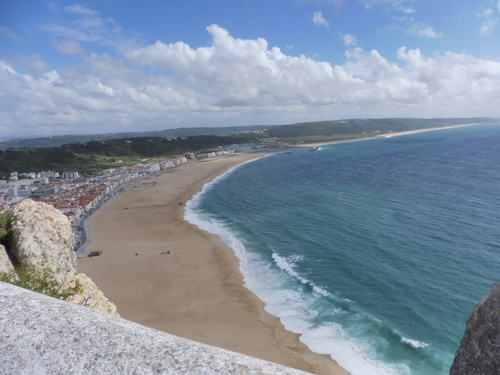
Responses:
[414,343]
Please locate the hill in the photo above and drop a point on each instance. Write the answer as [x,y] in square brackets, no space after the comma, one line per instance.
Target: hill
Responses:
[85,157]
[355,128]
[56,141]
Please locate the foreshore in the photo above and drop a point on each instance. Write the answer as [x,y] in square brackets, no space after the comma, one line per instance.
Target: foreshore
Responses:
[163,272]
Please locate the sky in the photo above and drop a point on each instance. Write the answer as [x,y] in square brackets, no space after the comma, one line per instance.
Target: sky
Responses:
[105,66]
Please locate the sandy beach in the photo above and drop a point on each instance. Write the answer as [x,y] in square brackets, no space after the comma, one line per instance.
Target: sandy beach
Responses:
[384,135]
[166,273]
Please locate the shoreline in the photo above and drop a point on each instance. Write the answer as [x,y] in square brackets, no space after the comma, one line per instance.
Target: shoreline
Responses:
[164,272]
[384,135]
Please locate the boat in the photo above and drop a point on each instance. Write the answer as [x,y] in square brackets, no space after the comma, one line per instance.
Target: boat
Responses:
[313,148]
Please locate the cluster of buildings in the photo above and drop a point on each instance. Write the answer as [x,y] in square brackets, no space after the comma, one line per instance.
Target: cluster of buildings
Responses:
[77,196]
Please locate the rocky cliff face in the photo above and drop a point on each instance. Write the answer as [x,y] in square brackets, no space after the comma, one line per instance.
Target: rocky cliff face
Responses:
[42,237]
[479,351]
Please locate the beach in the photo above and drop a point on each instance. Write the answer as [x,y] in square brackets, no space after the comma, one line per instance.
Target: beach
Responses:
[384,135]
[168,274]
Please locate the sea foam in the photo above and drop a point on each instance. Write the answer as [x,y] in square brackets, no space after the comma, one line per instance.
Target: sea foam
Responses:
[295,309]
[194,216]
[414,343]
[329,243]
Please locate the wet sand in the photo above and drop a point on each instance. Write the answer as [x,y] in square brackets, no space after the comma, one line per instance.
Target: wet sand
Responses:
[194,289]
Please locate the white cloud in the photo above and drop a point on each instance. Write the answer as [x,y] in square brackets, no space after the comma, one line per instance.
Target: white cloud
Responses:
[242,81]
[9,32]
[79,9]
[488,12]
[336,3]
[369,3]
[490,18]
[408,10]
[319,20]
[424,31]
[399,6]
[68,47]
[348,39]
[488,27]
[33,64]
[403,14]
[85,25]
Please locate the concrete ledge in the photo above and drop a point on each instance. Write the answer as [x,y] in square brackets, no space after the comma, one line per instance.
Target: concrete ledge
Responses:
[43,335]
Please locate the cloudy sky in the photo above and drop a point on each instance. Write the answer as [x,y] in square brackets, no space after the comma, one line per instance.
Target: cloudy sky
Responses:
[99,66]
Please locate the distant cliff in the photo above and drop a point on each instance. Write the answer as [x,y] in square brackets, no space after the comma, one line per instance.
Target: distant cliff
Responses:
[41,240]
[479,351]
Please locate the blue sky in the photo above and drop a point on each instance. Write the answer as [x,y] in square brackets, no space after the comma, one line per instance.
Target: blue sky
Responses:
[71,67]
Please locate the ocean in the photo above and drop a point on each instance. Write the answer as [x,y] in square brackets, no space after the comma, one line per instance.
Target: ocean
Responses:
[374,251]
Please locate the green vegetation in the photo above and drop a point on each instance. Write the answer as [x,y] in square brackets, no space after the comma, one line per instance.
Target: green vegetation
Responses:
[40,281]
[4,226]
[60,140]
[350,129]
[102,151]
[89,156]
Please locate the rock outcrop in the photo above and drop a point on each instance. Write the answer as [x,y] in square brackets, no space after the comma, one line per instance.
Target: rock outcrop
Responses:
[42,237]
[479,351]
[5,263]
[90,295]
[42,335]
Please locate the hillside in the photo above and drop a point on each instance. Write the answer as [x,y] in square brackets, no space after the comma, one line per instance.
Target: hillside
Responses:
[355,128]
[56,141]
[85,157]
[89,155]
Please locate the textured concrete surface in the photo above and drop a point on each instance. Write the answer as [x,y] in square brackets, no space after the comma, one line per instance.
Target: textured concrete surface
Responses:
[43,335]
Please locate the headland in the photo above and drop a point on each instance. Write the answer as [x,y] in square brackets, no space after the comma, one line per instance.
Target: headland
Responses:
[385,135]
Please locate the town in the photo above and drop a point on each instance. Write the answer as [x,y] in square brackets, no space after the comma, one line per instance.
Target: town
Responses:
[78,196]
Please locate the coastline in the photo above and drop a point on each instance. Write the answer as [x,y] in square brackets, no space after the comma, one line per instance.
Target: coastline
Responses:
[385,135]
[168,274]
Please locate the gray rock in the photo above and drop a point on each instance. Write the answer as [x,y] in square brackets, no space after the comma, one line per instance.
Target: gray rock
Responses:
[5,263]
[90,296]
[42,236]
[43,335]
[479,351]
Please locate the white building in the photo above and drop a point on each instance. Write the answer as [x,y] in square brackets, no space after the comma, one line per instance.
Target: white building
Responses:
[154,167]
[23,191]
[71,175]
[49,174]
[12,191]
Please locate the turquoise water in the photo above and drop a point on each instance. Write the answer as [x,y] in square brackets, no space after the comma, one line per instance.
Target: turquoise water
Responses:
[374,251]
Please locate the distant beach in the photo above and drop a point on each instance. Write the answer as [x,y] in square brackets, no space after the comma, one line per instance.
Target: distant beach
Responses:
[166,273]
[385,135]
